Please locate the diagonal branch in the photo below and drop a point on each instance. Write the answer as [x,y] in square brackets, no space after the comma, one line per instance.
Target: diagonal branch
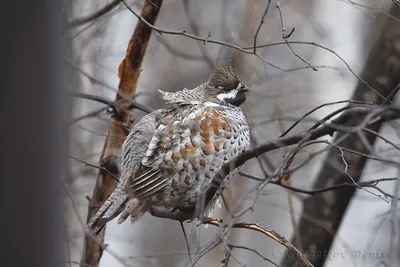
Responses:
[386,113]
[369,114]
[129,72]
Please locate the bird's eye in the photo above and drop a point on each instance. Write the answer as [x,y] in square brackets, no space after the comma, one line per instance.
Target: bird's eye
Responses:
[240,86]
[228,86]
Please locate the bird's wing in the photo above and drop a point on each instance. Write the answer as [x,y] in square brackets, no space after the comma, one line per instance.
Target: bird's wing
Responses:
[186,141]
[134,150]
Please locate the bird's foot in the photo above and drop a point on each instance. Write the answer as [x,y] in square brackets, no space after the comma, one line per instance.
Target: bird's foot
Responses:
[175,214]
[203,220]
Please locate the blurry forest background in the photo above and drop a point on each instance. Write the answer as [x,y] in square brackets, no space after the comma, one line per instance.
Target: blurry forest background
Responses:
[282,91]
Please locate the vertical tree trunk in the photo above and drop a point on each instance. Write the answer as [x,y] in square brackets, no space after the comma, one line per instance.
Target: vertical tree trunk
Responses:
[129,72]
[381,72]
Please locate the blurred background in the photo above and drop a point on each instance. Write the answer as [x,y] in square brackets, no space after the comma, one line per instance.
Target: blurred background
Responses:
[284,87]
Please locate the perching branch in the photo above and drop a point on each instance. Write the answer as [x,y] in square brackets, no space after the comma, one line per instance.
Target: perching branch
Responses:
[384,113]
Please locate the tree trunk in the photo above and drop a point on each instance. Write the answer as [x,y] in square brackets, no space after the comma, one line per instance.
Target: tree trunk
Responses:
[129,72]
[381,72]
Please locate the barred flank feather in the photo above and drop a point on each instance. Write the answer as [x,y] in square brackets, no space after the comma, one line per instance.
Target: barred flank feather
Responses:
[134,150]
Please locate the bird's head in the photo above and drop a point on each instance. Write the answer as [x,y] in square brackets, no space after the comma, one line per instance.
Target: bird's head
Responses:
[225,87]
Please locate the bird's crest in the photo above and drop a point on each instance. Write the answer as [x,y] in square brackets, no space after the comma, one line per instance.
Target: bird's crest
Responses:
[224,77]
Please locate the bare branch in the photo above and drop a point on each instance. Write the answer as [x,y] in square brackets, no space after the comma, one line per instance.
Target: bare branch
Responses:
[104,10]
[370,183]
[327,129]
[286,36]
[208,39]
[250,50]
[255,252]
[92,165]
[268,232]
[112,104]
[88,115]
[260,25]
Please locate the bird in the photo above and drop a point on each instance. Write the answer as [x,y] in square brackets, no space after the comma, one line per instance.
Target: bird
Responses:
[172,155]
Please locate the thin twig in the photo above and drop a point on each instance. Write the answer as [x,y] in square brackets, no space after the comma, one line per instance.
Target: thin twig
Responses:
[250,50]
[92,165]
[327,129]
[99,13]
[112,104]
[338,124]
[286,36]
[195,29]
[268,232]
[255,252]
[205,40]
[88,115]
[315,109]
[370,183]
[260,25]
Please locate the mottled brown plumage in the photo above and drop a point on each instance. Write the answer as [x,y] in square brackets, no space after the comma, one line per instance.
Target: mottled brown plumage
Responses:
[172,154]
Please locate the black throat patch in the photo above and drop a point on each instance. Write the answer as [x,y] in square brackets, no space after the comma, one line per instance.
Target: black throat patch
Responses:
[239,99]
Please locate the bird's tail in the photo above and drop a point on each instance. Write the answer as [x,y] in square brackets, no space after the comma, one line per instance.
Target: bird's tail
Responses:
[109,210]
[135,208]
[117,203]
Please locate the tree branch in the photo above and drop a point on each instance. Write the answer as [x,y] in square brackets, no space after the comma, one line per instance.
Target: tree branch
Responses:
[81,21]
[112,104]
[251,49]
[313,192]
[268,232]
[386,113]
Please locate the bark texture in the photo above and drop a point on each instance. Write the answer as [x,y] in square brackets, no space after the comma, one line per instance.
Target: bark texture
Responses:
[129,72]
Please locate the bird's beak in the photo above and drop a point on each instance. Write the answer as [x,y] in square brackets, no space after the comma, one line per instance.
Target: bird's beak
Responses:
[245,90]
